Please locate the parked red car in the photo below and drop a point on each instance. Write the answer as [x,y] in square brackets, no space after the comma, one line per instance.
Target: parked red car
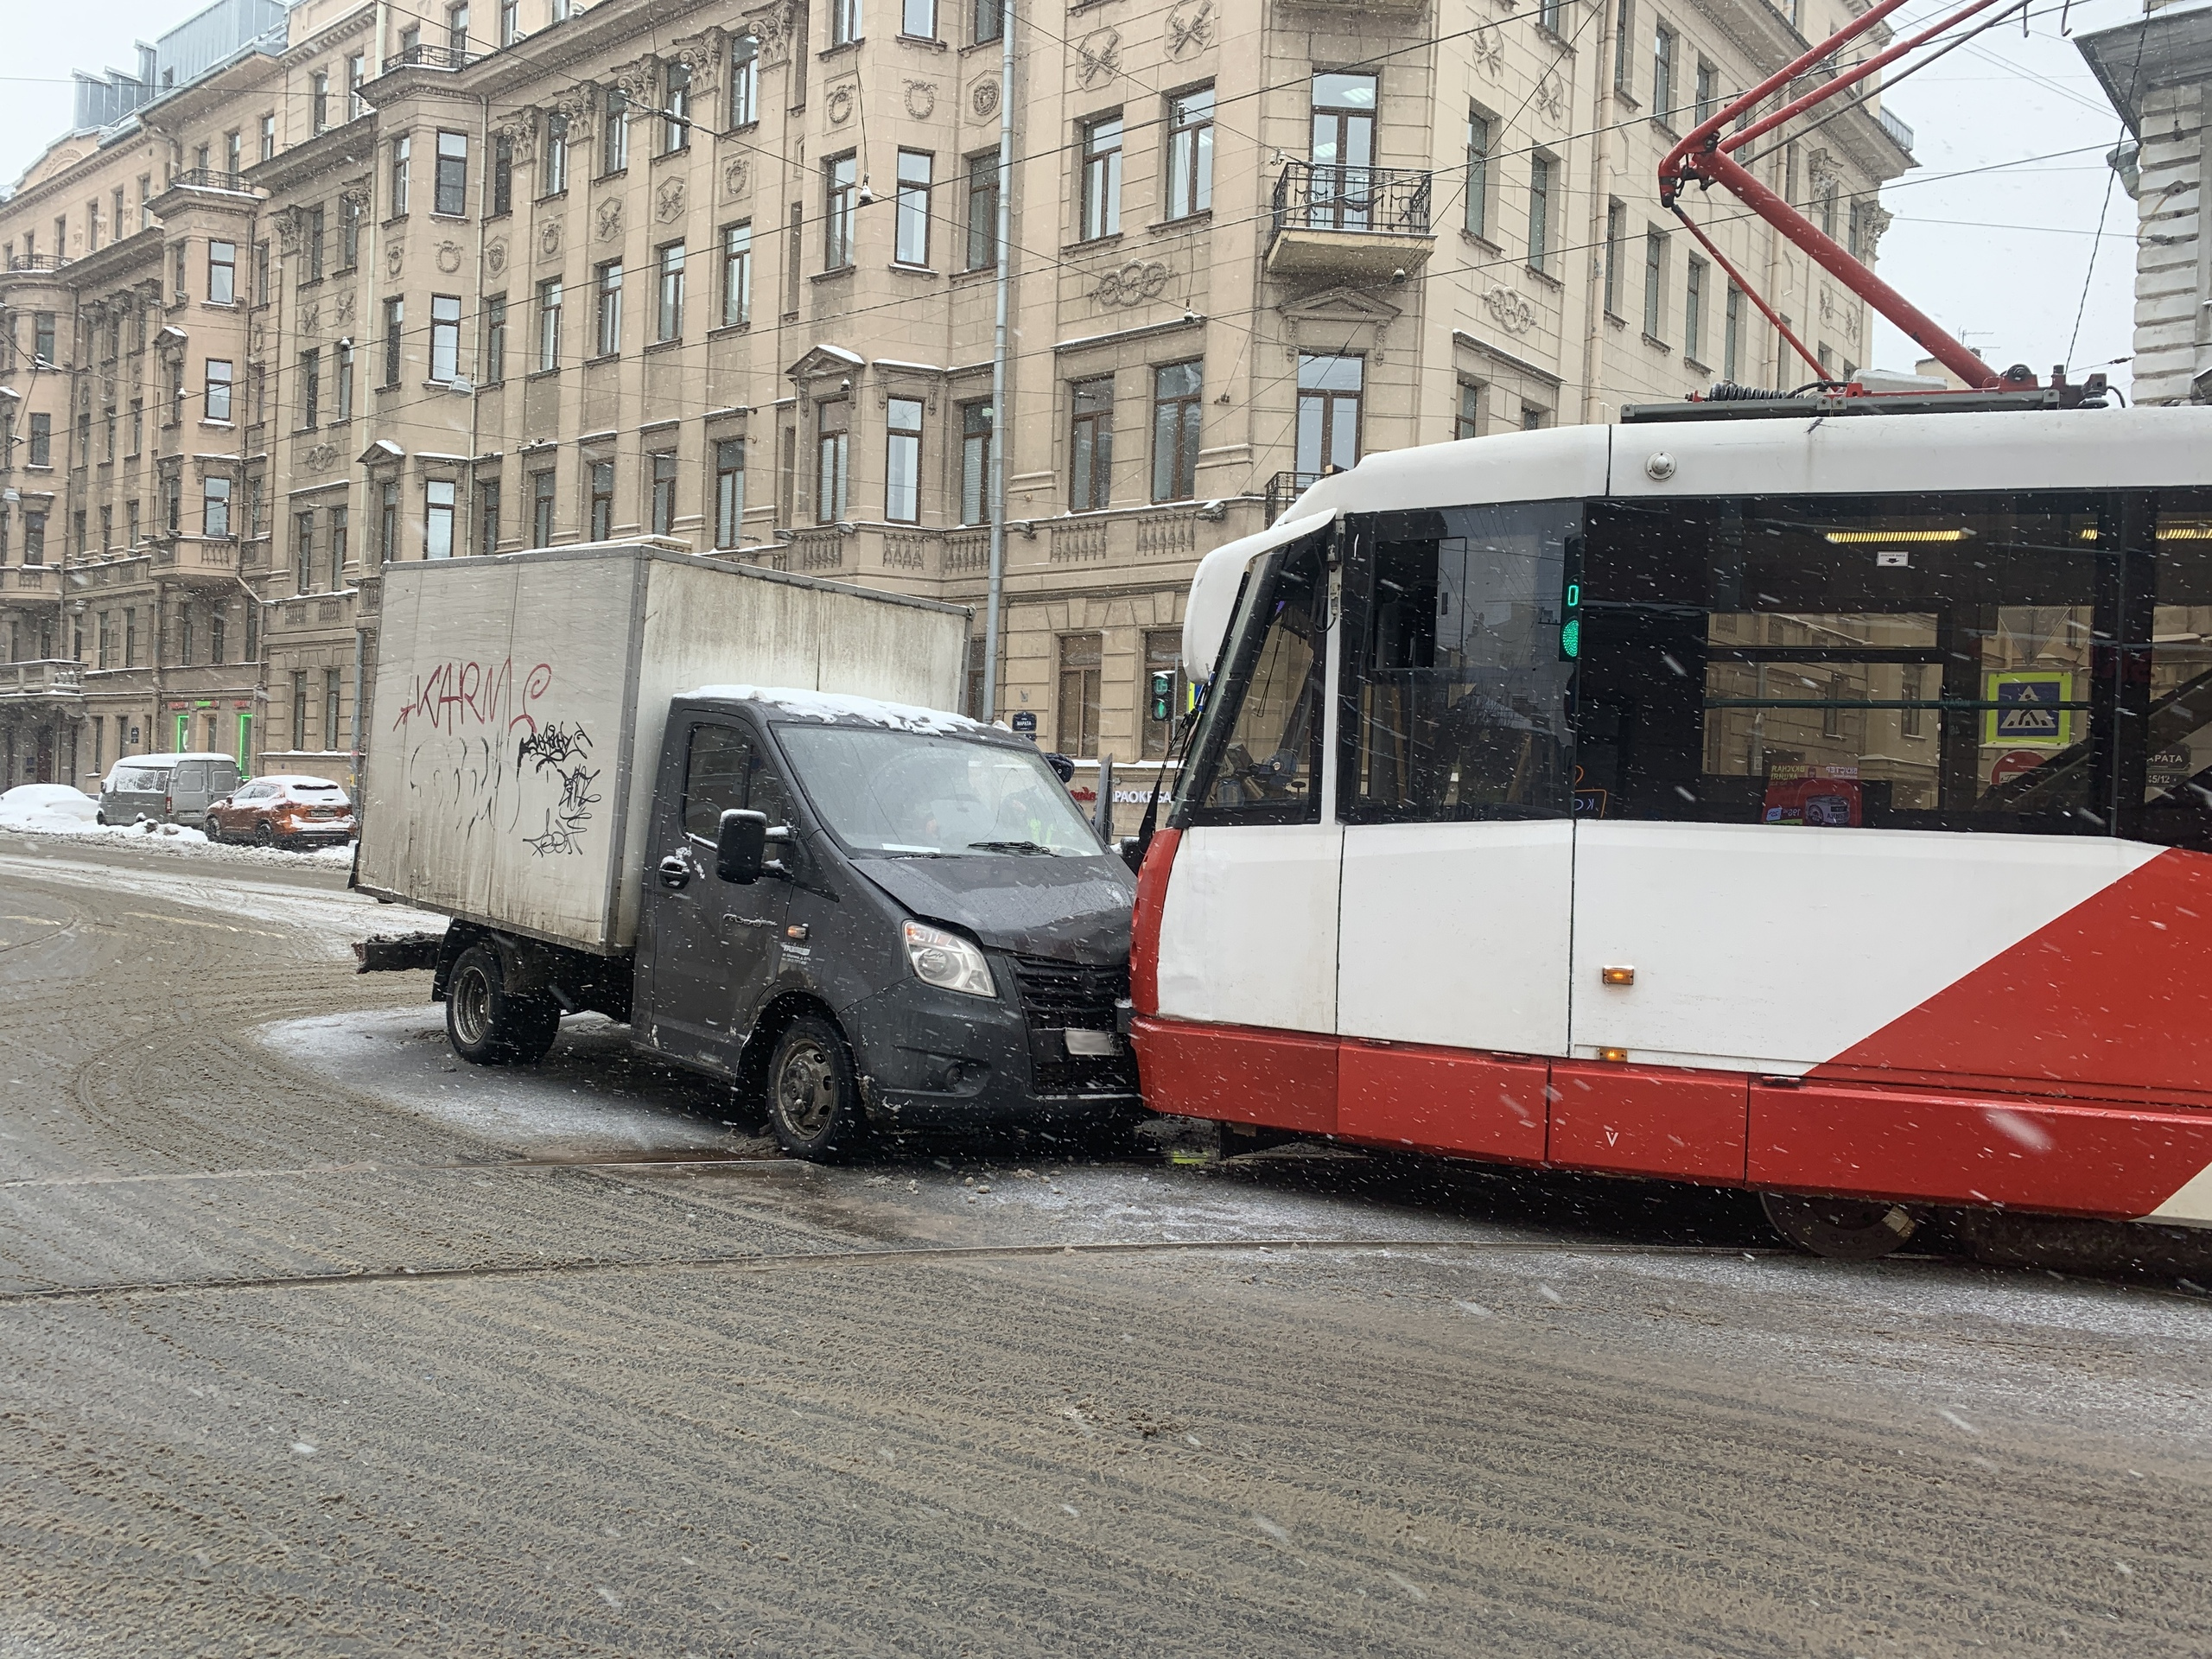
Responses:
[282,810]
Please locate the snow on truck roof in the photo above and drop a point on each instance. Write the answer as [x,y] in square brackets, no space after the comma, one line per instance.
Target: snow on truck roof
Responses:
[833,706]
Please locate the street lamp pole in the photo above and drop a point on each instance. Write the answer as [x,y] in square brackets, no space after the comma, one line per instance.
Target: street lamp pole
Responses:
[1000,433]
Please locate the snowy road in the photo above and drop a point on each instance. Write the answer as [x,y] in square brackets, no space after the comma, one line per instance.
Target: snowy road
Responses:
[309,1334]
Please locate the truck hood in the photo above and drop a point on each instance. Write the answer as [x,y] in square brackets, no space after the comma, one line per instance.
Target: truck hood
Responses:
[1076,909]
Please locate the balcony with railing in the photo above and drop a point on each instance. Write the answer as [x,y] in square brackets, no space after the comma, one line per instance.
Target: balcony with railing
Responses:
[1900,134]
[212,178]
[1284,488]
[1358,223]
[197,562]
[434,57]
[55,678]
[41,579]
[35,262]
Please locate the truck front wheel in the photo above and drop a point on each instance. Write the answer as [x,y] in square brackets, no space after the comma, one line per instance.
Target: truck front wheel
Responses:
[814,1101]
[488,1026]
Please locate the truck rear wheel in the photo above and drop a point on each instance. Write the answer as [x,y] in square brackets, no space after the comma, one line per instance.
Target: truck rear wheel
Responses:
[488,1026]
[814,1101]
[1844,1230]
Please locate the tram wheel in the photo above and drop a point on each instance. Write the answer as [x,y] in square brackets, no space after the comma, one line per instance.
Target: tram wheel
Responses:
[1843,1229]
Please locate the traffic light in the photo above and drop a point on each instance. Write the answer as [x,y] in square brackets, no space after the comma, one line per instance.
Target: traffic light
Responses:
[1163,694]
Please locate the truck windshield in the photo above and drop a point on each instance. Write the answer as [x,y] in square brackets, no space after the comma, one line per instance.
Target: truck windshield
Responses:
[908,792]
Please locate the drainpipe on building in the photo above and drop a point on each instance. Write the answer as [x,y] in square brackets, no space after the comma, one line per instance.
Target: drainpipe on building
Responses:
[1593,324]
[999,435]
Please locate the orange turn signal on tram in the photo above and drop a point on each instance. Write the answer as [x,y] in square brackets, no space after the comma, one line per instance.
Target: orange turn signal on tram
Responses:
[1617,975]
[1612,1053]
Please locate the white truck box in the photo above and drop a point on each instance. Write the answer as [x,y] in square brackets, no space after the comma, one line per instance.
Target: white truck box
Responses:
[521,699]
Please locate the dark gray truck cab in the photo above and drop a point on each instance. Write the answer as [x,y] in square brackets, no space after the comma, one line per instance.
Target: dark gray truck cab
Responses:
[927,931]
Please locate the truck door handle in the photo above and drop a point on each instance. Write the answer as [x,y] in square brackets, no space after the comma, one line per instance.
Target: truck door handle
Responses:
[675,871]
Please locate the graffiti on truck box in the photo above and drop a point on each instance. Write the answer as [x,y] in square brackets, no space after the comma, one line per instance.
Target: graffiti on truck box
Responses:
[482,752]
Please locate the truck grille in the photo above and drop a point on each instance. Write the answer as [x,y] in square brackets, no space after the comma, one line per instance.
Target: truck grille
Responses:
[1057,996]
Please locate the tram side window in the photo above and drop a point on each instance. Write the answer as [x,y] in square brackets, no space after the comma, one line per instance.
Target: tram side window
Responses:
[2178,719]
[1900,662]
[1258,751]
[1458,692]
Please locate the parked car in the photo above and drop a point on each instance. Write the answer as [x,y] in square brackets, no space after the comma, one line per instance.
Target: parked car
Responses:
[282,809]
[179,787]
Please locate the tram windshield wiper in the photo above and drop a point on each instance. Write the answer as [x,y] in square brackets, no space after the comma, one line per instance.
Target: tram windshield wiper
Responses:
[1027,849]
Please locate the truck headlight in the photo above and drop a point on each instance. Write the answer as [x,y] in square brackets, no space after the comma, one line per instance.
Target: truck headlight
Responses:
[947,961]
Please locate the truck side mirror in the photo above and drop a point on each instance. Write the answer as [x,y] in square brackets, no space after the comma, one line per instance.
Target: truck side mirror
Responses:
[741,846]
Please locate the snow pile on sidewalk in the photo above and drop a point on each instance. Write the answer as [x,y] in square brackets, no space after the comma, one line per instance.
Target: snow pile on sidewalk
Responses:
[58,810]
[48,808]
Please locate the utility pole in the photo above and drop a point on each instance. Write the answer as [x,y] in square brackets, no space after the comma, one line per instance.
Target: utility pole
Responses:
[1000,435]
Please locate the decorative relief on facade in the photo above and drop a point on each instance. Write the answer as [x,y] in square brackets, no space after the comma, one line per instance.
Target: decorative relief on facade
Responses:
[495,257]
[1133,283]
[448,256]
[608,219]
[1513,311]
[344,311]
[395,258]
[1488,48]
[1098,56]
[311,320]
[668,200]
[548,238]
[1872,221]
[287,232]
[772,27]
[1191,30]
[322,457]
[983,102]
[1550,96]
[737,178]
[921,99]
[843,98]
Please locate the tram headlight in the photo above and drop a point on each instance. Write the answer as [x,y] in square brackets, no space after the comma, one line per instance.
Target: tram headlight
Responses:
[947,961]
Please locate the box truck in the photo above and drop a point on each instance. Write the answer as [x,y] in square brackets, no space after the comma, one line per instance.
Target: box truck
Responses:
[724,804]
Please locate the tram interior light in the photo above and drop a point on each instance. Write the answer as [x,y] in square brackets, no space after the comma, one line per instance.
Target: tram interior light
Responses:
[1850,537]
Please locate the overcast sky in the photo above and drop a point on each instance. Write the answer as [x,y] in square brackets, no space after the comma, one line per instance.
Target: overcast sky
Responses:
[1999,258]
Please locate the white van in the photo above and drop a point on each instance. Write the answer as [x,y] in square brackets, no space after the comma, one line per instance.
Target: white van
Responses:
[180,787]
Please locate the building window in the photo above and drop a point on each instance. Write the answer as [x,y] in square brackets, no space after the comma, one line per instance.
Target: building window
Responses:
[387,520]
[1655,281]
[1828,209]
[983,211]
[614,139]
[218,642]
[662,462]
[737,274]
[1102,178]
[668,312]
[602,499]
[911,221]
[1468,423]
[487,516]
[974,463]
[341,524]
[1342,147]
[450,191]
[840,178]
[222,273]
[989,20]
[1694,311]
[319,101]
[310,390]
[1478,143]
[399,148]
[494,370]
[138,425]
[1663,73]
[676,108]
[357,71]
[1163,656]
[268,138]
[919,19]
[1708,91]
[1329,390]
[42,346]
[34,537]
[1090,445]
[333,727]
[1176,389]
[744,81]
[311,227]
[608,339]
[300,709]
[344,388]
[172,505]
[349,232]
[556,156]
[832,459]
[445,337]
[457,29]
[1190,154]
[729,492]
[1076,717]
[1615,233]
[395,317]
[1732,331]
[302,552]
[215,404]
[1550,14]
[503,174]
[845,21]
[1624,32]
[437,518]
[214,509]
[1540,212]
[510,21]
[549,324]
[902,461]
[541,509]
[1532,418]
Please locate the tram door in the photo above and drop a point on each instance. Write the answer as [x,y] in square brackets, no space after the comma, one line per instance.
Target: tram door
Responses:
[1455,789]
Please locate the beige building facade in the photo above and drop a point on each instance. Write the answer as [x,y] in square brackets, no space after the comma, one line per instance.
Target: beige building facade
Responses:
[379,284]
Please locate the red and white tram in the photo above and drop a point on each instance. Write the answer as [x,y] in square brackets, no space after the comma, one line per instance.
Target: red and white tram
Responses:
[1819,803]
